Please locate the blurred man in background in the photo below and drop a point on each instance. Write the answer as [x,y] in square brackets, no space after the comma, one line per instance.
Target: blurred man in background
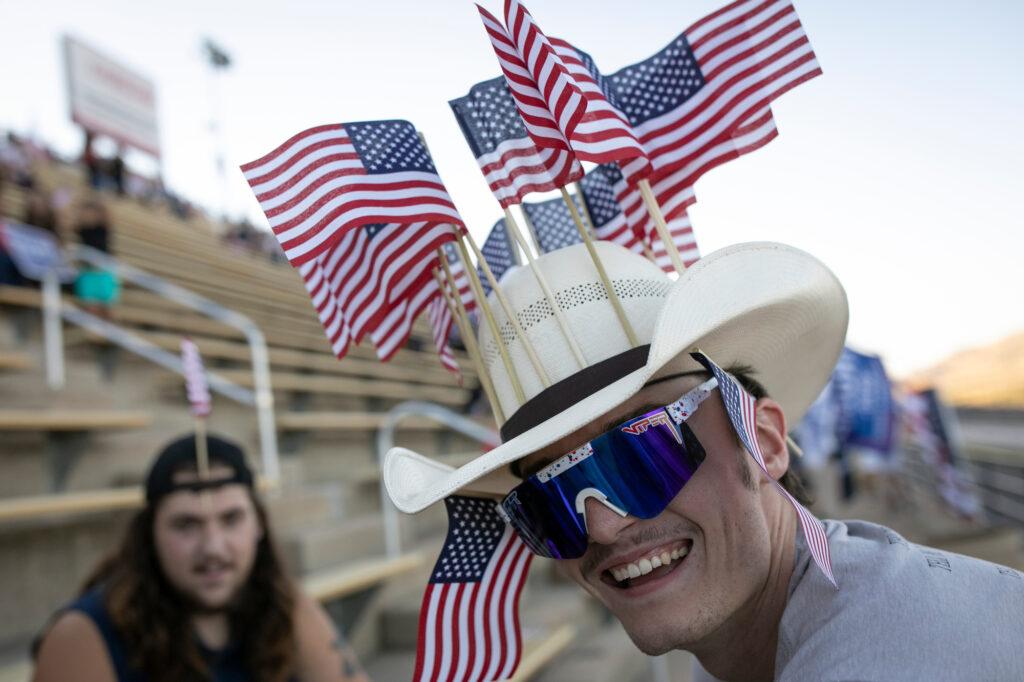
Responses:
[196,591]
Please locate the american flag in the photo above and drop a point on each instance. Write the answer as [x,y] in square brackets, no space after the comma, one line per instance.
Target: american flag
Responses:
[369,271]
[603,190]
[562,94]
[717,76]
[440,314]
[335,325]
[552,223]
[540,123]
[195,379]
[333,178]
[441,327]
[499,252]
[392,331]
[469,617]
[602,133]
[510,161]
[742,410]
[674,191]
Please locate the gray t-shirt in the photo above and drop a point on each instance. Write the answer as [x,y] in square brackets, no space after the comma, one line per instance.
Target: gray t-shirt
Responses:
[902,612]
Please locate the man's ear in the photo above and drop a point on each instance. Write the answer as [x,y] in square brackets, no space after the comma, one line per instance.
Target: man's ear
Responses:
[771,437]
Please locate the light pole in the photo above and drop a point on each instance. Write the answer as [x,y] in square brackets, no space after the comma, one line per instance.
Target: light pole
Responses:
[219,62]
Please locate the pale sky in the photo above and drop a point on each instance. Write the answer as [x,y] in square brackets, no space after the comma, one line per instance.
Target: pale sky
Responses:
[899,168]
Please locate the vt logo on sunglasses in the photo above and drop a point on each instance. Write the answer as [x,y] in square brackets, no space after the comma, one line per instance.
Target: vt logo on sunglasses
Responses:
[641,425]
[659,418]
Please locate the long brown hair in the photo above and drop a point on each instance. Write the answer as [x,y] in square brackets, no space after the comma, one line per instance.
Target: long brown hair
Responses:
[153,621]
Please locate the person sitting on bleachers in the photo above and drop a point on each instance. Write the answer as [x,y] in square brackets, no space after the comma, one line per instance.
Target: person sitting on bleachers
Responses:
[96,288]
[196,591]
[39,212]
[16,161]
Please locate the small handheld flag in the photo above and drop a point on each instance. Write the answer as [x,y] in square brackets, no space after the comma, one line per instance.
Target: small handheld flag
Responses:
[742,410]
[469,619]
[195,379]
[510,161]
[199,397]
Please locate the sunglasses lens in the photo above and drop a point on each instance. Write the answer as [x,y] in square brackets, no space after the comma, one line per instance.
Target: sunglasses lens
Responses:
[642,473]
[639,470]
[547,521]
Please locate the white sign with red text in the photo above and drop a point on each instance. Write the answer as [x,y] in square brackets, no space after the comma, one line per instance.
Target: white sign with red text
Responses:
[110,99]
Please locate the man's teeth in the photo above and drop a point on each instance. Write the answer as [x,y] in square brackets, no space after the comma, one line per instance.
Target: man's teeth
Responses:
[648,564]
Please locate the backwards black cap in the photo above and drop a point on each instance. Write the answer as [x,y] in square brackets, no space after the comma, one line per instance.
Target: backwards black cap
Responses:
[181,454]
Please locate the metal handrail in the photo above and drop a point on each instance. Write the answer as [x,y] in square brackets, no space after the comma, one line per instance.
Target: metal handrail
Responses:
[262,397]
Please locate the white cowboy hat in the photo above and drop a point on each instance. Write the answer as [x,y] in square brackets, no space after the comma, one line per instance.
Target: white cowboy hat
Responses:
[767,306]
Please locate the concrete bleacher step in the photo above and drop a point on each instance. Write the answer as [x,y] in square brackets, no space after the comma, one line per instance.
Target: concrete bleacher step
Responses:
[314,383]
[73,420]
[348,421]
[222,349]
[16,671]
[605,655]
[314,548]
[13,360]
[306,505]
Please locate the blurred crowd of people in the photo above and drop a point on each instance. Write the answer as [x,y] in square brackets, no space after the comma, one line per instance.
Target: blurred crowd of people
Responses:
[112,174]
[70,220]
[244,237]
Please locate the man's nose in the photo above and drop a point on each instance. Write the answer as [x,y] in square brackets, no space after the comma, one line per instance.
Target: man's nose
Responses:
[603,523]
[215,540]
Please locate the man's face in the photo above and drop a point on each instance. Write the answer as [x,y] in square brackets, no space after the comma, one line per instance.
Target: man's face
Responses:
[206,542]
[714,534]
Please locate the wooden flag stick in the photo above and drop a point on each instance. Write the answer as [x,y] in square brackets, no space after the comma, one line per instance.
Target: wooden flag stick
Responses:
[485,310]
[612,296]
[662,227]
[586,209]
[458,311]
[530,230]
[202,454]
[557,309]
[203,463]
[593,229]
[509,313]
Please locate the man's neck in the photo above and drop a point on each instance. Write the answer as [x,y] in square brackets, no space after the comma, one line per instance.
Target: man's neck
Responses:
[743,649]
[213,629]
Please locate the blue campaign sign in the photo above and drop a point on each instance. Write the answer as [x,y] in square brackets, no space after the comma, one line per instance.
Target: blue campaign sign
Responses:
[867,410]
[34,251]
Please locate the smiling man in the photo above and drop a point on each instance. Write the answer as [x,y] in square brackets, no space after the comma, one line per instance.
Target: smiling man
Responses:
[196,591]
[661,483]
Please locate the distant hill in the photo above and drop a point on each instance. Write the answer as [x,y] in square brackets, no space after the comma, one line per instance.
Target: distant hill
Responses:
[988,376]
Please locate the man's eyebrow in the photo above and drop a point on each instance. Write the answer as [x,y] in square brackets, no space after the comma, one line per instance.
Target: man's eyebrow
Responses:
[181,517]
[234,509]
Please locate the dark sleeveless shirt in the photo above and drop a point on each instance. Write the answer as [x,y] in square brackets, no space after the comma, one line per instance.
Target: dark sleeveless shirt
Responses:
[226,664]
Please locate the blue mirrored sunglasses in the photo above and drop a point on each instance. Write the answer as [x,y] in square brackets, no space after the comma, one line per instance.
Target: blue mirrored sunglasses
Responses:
[636,468]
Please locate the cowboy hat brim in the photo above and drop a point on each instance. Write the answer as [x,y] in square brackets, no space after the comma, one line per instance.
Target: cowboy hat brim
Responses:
[767,306]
